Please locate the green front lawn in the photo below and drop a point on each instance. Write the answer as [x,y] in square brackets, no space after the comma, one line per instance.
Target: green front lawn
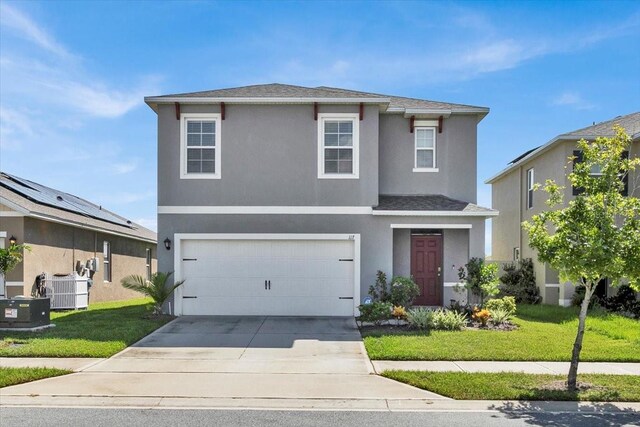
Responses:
[13,376]
[101,331]
[545,333]
[519,386]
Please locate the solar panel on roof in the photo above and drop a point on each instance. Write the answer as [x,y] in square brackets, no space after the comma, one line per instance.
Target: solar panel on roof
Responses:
[57,199]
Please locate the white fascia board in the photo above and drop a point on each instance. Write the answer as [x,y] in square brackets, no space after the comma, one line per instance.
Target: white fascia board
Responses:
[442,226]
[262,100]
[526,158]
[435,213]
[265,210]
[426,112]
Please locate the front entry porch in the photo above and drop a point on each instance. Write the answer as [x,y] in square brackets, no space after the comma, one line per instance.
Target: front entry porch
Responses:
[432,258]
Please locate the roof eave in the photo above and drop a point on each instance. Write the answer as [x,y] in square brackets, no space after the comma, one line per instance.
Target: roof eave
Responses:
[154,101]
[542,149]
[383,212]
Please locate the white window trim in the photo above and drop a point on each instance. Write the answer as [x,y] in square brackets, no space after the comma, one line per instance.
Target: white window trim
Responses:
[183,145]
[530,187]
[415,150]
[355,118]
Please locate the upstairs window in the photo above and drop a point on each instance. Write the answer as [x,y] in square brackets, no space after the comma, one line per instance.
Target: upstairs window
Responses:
[596,171]
[530,178]
[338,145]
[200,146]
[425,150]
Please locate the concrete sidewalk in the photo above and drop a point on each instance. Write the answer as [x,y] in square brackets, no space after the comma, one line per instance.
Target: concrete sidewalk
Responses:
[76,364]
[559,368]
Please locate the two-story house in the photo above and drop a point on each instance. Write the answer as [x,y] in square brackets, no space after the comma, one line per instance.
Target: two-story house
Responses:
[285,200]
[514,196]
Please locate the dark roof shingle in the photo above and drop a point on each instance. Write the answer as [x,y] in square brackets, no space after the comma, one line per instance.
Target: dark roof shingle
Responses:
[278,90]
[427,202]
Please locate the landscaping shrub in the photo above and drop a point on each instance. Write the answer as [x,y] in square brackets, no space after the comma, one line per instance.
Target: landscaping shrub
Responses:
[380,290]
[458,307]
[481,316]
[480,278]
[403,291]
[499,316]
[420,318]
[624,302]
[399,312]
[507,304]
[375,312]
[448,320]
[519,281]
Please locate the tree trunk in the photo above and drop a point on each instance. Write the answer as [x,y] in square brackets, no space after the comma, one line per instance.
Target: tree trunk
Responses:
[577,345]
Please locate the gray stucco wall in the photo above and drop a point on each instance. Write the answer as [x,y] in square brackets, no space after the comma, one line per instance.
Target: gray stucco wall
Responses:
[455,152]
[269,158]
[377,236]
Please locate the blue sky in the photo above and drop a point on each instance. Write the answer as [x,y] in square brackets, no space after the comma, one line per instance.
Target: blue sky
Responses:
[73,74]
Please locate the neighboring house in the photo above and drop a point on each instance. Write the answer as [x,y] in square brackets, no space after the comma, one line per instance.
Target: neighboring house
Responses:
[64,230]
[514,197]
[285,200]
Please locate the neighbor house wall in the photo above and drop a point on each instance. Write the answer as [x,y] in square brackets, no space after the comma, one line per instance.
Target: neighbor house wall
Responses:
[456,151]
[56,248]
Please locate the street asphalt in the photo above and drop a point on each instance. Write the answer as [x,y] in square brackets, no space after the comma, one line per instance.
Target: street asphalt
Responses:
[16,417]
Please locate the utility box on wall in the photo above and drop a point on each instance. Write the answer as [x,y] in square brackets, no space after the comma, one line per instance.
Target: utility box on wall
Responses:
[24,312]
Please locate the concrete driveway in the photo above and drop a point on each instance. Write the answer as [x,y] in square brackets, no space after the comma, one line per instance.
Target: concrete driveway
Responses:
[228,357]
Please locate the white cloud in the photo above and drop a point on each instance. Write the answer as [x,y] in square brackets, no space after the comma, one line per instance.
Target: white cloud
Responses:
[124,167]
[572,99]
[19,23]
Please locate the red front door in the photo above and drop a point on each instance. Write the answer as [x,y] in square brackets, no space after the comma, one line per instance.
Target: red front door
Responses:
[426,268]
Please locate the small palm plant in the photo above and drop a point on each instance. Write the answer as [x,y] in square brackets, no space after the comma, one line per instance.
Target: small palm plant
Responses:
[156,288]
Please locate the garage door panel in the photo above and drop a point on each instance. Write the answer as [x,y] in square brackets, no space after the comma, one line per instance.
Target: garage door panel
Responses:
[307,277]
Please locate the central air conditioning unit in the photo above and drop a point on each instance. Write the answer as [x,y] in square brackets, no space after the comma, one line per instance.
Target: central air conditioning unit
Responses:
[67,292]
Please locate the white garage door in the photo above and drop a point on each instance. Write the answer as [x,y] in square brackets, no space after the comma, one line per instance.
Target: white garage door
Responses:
[268,277]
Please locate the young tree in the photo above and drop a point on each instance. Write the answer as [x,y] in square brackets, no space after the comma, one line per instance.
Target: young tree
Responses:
[10,257]
[597,235]
[480,278]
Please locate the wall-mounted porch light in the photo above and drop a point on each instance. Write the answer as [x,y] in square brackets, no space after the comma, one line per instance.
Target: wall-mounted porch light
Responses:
[12,240]
[167,244]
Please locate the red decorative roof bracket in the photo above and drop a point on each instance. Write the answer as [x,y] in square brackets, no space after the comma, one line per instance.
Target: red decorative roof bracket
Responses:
[177,111]
[361,111]
[440,122]
[222,110]
[315,111]
[411,123]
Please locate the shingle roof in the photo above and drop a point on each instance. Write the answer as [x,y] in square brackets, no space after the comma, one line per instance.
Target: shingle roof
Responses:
[427,202]
[630,122]
[278,90]
[403,102]
[271,90]
[47,203]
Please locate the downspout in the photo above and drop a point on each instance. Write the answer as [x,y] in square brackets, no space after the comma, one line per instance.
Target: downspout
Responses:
[520,199]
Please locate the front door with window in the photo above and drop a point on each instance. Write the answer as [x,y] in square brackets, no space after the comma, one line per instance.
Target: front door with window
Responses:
[426,268]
